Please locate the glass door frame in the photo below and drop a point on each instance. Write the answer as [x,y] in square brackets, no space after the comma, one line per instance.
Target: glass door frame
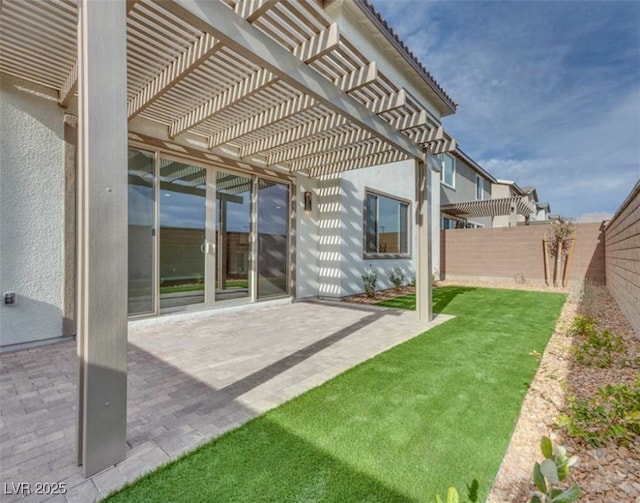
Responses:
[252,229]
[210,230]
[155,263]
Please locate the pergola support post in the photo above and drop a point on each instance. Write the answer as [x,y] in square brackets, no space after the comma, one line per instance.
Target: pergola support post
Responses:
[423,233]
[102,235]
[435,171]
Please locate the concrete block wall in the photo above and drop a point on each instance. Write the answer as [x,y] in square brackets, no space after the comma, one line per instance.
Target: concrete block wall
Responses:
[622,257]
[510,252]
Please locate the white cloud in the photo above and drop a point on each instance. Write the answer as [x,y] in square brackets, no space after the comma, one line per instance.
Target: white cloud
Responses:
[548,91]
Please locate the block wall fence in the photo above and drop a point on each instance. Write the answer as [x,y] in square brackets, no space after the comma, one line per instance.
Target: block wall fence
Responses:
[604,253]
[622,257]
[509,253]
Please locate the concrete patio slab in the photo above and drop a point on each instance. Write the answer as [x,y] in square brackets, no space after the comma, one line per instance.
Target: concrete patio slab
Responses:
[188,382]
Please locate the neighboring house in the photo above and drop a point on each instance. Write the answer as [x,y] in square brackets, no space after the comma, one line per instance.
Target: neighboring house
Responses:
[255,153]
[462,180]
[520,204]
[543,212]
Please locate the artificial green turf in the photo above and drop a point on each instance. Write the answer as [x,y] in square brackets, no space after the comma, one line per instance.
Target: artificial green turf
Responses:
[435,411]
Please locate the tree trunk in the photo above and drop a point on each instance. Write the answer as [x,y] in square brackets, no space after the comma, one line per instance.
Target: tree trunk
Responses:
[556,271]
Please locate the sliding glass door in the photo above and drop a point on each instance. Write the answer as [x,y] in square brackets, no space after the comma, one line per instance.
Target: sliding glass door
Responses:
[233,236]
[273,238]
[199,236]
[141,195]
[183,244]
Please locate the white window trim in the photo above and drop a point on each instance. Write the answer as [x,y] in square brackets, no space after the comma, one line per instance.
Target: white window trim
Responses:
[442,177]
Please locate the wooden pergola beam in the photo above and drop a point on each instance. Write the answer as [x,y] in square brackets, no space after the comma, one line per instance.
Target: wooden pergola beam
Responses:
[325,145]
[201,50]
[271,116]
[240,36]
[381,105]
[363,149]
[310,50]
[442,146]
[69,87]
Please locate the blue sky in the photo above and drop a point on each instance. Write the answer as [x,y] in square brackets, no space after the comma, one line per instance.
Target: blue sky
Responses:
[548,92]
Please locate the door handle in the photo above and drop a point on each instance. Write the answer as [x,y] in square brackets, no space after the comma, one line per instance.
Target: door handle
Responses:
[206,247]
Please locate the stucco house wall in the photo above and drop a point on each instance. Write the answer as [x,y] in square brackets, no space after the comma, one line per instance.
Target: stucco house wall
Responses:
[32,182]
[465,189]
[397,180]
[332,266]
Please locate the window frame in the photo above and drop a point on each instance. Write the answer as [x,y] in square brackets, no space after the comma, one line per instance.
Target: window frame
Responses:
[443,179]
[479,186]
[384,255]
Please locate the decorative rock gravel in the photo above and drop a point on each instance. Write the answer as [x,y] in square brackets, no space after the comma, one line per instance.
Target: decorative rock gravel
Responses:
[605,474]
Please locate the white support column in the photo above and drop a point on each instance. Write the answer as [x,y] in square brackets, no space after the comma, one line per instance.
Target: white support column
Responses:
[102,235]
[423,255]
[434,167]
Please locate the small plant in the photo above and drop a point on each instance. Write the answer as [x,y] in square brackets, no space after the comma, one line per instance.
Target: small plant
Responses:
[452,496]
[613,415]
[559,234]
[599,348]
[370,280]
[553,470]
[413,281]
[520,279]
[582,325]
[396,276]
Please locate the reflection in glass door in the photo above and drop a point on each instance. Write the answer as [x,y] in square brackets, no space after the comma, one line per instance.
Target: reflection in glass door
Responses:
[273,238]
[141,233]
[233,233]
[183,244]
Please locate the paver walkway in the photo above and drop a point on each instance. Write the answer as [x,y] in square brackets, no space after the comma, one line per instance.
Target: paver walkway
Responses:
[188,382]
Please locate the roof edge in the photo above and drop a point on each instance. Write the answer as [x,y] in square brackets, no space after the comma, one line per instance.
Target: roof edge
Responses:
[465,157]
[376,18]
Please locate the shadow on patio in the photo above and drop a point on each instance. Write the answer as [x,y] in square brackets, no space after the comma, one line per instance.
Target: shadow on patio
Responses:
[187,383]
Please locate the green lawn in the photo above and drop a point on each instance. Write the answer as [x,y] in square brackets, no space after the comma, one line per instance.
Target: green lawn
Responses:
[435,411]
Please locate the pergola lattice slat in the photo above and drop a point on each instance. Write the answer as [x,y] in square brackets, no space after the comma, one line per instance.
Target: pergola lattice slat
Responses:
[279,112]
[364,149]
[310,50]
[488,207]
[325,145]
[381,105]
[243,38]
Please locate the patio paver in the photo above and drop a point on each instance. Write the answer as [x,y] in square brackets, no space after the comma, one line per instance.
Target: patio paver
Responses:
[188,382]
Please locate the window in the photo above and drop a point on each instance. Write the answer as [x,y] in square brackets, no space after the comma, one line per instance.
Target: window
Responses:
[448,223]
[386,225]
[479,188]
[449,171]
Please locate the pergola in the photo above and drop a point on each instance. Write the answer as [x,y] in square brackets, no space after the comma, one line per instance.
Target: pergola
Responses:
[262,83]
[489,208]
